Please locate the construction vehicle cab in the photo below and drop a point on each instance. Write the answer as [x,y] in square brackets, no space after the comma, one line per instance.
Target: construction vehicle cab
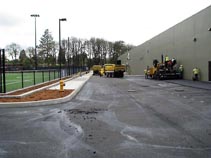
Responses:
[96,69]
[109,70]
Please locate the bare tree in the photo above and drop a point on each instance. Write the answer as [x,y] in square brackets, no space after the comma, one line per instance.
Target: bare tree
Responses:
[82,52]
[13,50]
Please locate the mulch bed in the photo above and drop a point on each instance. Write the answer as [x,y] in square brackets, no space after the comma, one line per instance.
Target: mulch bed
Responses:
[41,95]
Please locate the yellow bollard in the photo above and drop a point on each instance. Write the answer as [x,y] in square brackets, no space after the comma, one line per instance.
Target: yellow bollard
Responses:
[62,84]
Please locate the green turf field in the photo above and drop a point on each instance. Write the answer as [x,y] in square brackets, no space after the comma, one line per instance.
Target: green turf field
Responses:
[14,79]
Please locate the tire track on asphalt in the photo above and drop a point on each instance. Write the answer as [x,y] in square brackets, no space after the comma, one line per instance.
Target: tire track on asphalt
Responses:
[169,121]
[3,152]
[127,144]
[63,132]
[162,117]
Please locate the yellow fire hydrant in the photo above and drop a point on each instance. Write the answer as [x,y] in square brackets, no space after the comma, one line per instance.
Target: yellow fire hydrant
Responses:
[62,84]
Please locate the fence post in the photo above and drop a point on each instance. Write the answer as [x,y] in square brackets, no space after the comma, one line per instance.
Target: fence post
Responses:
[72,69]
[4,79]
[68,67]
[49,73]
[22,79]
[54,74]
[0,73]
[34,77]
[43,79]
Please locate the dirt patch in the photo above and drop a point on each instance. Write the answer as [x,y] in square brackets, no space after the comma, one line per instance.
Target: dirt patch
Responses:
[42,95]
[87,112]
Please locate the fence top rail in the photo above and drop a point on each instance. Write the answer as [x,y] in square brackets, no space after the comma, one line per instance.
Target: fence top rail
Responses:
[29,71]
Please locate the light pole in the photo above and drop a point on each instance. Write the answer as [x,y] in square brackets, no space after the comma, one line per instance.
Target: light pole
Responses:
[35,48]
[60,58]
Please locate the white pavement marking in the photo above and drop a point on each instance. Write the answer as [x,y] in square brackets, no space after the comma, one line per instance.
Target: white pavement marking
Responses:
[129,136]
[111,119]
[18,82]
[128,144]
[12,83]
[2,152]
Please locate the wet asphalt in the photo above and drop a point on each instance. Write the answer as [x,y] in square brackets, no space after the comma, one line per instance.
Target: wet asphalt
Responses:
[115,118]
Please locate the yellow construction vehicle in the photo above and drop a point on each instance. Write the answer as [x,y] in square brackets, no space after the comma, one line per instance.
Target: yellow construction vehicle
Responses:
[164,70]
[119,70]
[101,72]
[109,70]
[114,70]
[96,69]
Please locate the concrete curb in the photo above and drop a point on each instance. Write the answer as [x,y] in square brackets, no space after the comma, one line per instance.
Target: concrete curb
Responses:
[43,102]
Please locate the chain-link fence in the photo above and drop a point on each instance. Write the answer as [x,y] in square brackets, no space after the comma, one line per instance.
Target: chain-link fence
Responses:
[20,79]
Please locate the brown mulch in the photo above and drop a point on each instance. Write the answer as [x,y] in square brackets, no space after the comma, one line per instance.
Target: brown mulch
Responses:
[40,95]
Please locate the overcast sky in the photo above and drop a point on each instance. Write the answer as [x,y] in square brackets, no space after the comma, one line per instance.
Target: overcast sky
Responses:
[133,21]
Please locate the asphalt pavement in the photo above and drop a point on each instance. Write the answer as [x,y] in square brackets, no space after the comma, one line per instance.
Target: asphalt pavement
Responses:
[194,84]
[116,118]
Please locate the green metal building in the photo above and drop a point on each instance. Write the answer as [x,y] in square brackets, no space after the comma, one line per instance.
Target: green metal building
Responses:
[189,42]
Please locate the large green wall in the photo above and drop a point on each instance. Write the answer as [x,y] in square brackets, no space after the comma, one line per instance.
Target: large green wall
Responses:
[177,42]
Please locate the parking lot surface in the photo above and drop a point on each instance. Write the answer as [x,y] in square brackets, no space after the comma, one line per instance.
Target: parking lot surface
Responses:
[116,118]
